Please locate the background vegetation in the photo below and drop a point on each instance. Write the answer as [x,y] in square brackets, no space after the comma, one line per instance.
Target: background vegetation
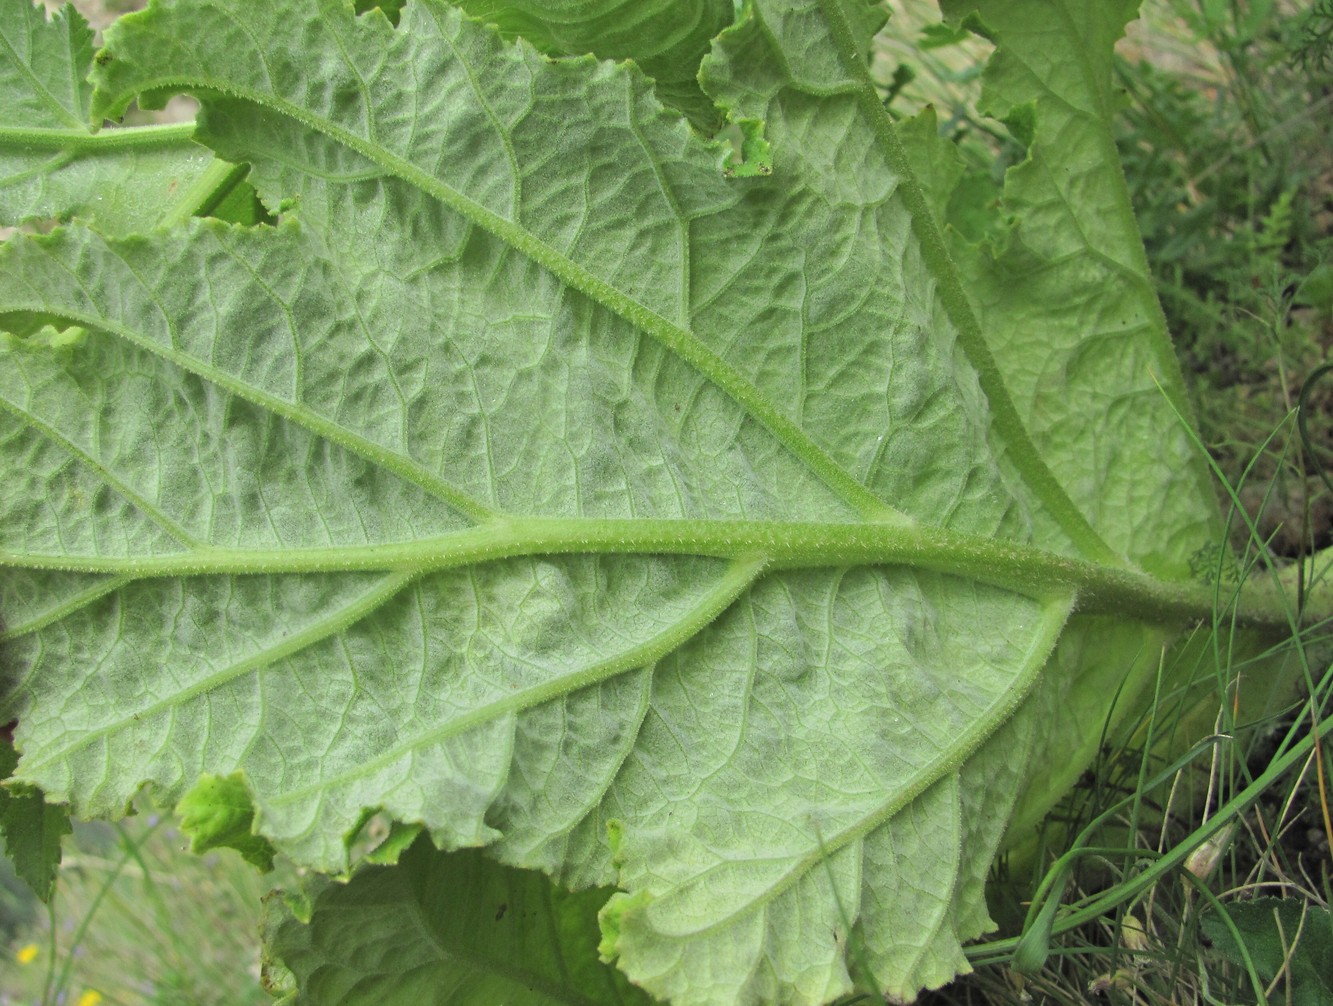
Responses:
[1225,142]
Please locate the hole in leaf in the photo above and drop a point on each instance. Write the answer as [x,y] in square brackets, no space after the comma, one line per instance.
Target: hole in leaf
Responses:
[392,9]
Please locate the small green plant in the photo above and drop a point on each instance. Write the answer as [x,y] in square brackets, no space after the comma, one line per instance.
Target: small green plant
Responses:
[704,555]
[1314,52]
[135,921]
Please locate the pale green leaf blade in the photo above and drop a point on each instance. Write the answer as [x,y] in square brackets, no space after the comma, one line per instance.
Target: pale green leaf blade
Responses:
[830,107]
[515,486]
[737,280]
[44,64]
[708,923]
[1068,303]
[447,928]
[52,163]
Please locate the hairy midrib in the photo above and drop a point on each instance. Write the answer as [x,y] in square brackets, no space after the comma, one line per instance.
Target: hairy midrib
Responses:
[78,140]
[1024,569]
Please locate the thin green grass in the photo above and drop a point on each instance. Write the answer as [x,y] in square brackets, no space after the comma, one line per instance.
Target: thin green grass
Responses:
[139,920]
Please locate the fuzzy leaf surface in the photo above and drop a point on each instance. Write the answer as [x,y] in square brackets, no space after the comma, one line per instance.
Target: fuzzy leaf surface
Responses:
[525,481]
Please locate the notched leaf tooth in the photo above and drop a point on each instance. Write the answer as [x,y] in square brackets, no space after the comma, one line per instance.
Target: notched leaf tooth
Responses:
[611,919]
[218,812]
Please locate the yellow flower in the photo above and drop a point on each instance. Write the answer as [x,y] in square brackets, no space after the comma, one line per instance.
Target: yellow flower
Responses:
[26,954]
[90,998]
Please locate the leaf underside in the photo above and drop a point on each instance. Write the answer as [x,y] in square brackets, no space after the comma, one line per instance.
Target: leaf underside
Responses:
[510,293]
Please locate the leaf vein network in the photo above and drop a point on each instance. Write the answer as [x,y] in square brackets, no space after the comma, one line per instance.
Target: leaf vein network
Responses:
[681,341]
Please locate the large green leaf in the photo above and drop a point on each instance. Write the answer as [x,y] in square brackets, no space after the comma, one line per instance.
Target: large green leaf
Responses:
[535,482]
[446,928]
[53,163]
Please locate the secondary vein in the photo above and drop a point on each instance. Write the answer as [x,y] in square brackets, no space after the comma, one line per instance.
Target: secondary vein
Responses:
[678,340]
[1026,458]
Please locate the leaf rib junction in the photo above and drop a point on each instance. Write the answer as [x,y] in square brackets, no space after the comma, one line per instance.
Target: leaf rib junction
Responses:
[728,587]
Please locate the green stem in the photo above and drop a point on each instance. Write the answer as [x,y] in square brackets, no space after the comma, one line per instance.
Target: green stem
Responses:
[81,141]
[781,544]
